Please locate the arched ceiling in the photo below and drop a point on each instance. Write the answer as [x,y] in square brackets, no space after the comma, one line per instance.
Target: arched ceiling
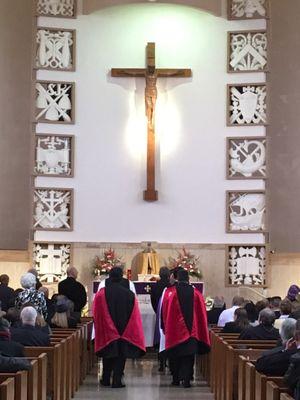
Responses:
[211,6]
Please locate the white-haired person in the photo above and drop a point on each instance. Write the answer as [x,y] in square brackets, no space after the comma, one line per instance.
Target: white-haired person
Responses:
[275,362]
[31,296]
[28,334]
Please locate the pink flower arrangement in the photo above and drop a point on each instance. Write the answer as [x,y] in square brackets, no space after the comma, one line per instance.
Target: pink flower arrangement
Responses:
[187,261]
[102,266]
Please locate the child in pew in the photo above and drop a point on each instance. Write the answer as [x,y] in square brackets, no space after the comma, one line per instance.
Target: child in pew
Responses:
[292,376]
[275,362]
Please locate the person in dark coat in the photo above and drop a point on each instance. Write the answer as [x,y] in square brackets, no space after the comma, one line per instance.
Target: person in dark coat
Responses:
[275,362]
[8,347]
[28,334]
[218,307]
[13,364]
[265,330]
[50,304]
[159,287]
[62,317]
[184,324]
[118,328]
[239,324]
[7,294]
[73,290]
[292,376]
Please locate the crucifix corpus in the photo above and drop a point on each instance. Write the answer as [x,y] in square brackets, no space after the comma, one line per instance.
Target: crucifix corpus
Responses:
[150,73]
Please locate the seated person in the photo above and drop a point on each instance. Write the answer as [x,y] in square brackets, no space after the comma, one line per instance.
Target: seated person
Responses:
[228,315]
[28,334]
[13,364]
[265,330]
[275,305]
[49,303]
[239,324]
[285,311]
[62,318]
[8,347]
[252,313]
[275,362]
[214,314]
[292,376]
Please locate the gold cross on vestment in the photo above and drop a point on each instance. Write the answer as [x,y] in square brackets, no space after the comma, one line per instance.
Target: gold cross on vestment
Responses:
[151,73]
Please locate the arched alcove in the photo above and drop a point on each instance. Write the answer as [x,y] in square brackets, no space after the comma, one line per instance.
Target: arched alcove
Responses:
[211,6]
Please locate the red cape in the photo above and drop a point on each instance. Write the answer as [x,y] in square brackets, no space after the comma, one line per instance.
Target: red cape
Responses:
[175,328]
[105,330]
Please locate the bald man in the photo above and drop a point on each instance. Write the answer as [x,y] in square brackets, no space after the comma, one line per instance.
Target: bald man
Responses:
[73,290]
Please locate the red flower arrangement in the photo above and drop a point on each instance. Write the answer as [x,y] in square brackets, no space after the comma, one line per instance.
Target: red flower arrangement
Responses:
[187,261]
[102,266]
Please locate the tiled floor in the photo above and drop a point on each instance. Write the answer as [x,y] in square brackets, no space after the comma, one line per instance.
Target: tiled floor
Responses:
[143,382]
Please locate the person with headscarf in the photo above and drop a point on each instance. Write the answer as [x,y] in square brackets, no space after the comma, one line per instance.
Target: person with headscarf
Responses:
[118,328]
[184,324]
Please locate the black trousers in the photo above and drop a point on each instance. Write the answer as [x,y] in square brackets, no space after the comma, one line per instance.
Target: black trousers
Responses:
[115,367]
[182,368]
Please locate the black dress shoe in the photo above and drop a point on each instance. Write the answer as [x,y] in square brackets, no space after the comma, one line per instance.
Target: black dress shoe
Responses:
[175,383]
[187,384]
[104,383]
[118,385]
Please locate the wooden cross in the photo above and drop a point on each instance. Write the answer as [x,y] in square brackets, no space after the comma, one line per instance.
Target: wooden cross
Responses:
[150,73]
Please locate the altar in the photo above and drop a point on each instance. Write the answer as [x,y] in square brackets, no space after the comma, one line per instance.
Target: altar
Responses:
[143,291]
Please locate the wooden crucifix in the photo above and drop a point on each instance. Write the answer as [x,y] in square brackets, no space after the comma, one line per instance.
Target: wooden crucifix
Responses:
[150,73]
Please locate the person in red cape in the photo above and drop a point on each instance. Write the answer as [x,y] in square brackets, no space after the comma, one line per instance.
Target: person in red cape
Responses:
[184,323]
[118,328]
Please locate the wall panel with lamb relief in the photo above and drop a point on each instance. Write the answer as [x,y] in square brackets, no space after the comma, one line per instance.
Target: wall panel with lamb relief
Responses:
[247,9]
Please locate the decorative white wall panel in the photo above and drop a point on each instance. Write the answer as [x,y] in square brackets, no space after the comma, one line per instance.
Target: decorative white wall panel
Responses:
[54,155]
[51,260]
[246,265]
[247,104]
[247,51]
[53,209]
[246,158]
[247,9]
[55,49]
[57,8]
[246,211]
[110,128]
[54,102]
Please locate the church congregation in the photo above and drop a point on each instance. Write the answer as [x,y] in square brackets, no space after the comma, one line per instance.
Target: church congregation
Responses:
[149,186]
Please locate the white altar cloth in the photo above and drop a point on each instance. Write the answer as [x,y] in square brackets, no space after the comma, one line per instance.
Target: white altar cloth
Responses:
[148,319]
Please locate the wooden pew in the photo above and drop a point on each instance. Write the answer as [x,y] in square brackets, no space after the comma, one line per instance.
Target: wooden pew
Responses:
[7,389]
[42,375]
[286,396]
[20,380]
[53,367]
[261,384]
[274,391]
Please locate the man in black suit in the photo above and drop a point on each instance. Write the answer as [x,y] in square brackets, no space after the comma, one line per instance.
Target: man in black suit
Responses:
[7,294]
[73,290]
[159,287]
[265,330]
[28,334]
[275,362]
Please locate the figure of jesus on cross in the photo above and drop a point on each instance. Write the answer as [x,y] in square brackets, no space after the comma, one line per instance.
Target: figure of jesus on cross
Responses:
[150,73]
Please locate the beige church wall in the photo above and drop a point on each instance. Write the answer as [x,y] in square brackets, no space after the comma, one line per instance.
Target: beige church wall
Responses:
[110,127]
[16,19]
[14,264]
[283,132]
